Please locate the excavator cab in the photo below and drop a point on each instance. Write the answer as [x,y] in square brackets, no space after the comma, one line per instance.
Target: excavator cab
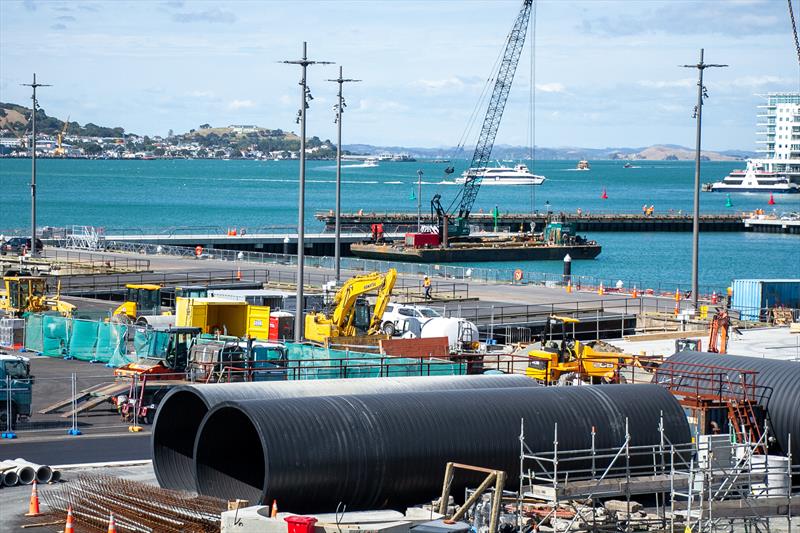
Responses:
[140,300]
[362,316]
[24,294]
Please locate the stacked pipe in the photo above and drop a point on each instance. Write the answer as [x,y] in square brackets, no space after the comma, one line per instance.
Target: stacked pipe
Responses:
[380,450]
[20,471]
[182,410]
[777,385]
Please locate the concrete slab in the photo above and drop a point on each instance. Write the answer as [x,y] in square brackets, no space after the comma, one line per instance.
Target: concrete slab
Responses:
[770,343]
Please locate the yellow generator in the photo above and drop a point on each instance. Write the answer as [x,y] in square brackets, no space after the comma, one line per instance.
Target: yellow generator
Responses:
[223,317]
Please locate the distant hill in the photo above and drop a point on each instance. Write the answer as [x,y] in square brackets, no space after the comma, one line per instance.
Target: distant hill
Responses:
[661,152]
[15,118]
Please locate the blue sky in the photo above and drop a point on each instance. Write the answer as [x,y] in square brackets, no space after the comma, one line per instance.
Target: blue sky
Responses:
[606,72]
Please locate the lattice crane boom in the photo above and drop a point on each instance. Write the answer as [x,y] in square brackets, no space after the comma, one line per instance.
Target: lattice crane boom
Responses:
[464,201]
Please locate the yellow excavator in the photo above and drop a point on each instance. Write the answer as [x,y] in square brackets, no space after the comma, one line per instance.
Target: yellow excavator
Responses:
[567,359]
[141,299]
[28,294]
[351,315]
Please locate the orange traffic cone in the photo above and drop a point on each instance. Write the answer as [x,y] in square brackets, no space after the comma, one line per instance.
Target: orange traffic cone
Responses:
[33,506]
[714,297]
[69,527]
[112,526]
[274,509]
[635,293]
[677,302]
[600,289]
[238,274]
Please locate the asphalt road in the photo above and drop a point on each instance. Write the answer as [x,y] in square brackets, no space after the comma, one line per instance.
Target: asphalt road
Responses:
[67,450]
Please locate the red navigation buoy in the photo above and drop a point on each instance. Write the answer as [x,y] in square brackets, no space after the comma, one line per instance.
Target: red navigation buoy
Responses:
[604,196]
[771,199]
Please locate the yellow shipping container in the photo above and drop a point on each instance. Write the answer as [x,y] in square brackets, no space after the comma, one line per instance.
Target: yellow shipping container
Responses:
[223,316]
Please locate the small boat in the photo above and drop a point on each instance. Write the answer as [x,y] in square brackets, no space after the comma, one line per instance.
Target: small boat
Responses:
[370,162]
[517,175]
[583,165]
[755,179]
[627,165]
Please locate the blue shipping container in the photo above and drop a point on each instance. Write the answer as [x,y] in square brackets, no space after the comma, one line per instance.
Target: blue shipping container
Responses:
[751,297]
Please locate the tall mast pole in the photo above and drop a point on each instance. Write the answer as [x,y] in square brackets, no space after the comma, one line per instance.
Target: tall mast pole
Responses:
[338,224]
[305,96]
[419,201]
[33,86]
[698,114]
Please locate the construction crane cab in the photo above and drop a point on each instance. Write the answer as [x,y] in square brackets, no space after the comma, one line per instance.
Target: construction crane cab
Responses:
[28,294]
[140,300]
[565,359]
[351,314]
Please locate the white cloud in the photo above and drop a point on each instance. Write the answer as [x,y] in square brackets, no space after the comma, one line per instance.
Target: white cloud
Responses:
[201,94]
[241,104]
[453,82]
[668,84]
[759,81]
[380,106]
[553,87]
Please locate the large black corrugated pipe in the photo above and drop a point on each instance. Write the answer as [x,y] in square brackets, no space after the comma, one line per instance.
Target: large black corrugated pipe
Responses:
[180,413]
[777,387]
[390,450]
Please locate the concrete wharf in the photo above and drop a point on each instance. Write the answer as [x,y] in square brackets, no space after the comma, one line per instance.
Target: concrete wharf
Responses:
[403,222]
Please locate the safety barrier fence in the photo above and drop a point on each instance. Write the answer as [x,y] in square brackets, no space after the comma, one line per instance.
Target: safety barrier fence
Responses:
[72,395]
[97,261]
[436,271]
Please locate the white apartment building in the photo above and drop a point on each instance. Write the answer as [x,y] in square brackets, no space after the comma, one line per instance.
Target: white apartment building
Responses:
[779,135]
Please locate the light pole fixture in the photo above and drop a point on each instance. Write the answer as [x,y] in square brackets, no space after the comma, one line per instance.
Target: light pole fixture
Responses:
[698,114]
[339,108]
[305,97]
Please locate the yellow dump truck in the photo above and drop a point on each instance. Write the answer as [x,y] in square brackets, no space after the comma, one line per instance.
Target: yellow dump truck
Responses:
[225,317]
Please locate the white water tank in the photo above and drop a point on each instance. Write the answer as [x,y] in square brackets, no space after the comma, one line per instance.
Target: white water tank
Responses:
[459,331]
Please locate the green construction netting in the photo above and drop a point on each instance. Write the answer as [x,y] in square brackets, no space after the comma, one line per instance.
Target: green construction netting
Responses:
[314,362]
[150,343]
[87,340]
[47,334]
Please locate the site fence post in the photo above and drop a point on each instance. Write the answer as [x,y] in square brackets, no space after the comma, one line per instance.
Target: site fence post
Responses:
[74,431]
[9,432]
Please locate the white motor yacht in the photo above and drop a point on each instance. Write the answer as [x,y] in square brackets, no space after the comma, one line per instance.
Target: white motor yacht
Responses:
[517,175]
[755,179]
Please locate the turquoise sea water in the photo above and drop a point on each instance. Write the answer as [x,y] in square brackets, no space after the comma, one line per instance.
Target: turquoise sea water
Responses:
[153,195]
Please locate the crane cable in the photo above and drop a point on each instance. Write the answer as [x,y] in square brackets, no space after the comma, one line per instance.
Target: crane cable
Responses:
[794,30]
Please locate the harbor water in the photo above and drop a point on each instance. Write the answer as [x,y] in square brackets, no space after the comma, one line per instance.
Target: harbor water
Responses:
[212,195]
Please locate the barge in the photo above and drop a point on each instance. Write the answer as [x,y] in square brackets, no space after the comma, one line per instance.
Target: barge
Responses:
[475,252]
[558,240]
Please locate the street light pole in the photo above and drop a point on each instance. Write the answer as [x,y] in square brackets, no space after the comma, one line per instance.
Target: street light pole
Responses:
[419,201]
[33,86]
[339,107]
[305,96]
[698,114]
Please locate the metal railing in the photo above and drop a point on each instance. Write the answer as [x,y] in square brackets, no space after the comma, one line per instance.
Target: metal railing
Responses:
[473,274]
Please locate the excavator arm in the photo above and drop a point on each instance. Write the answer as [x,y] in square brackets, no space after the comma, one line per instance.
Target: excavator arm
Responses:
[346,297]
[384,294]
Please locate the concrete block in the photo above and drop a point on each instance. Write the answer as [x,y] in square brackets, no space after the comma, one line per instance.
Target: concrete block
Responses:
[621,506]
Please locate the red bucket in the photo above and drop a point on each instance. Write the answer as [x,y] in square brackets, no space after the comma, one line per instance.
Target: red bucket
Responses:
[301,524]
